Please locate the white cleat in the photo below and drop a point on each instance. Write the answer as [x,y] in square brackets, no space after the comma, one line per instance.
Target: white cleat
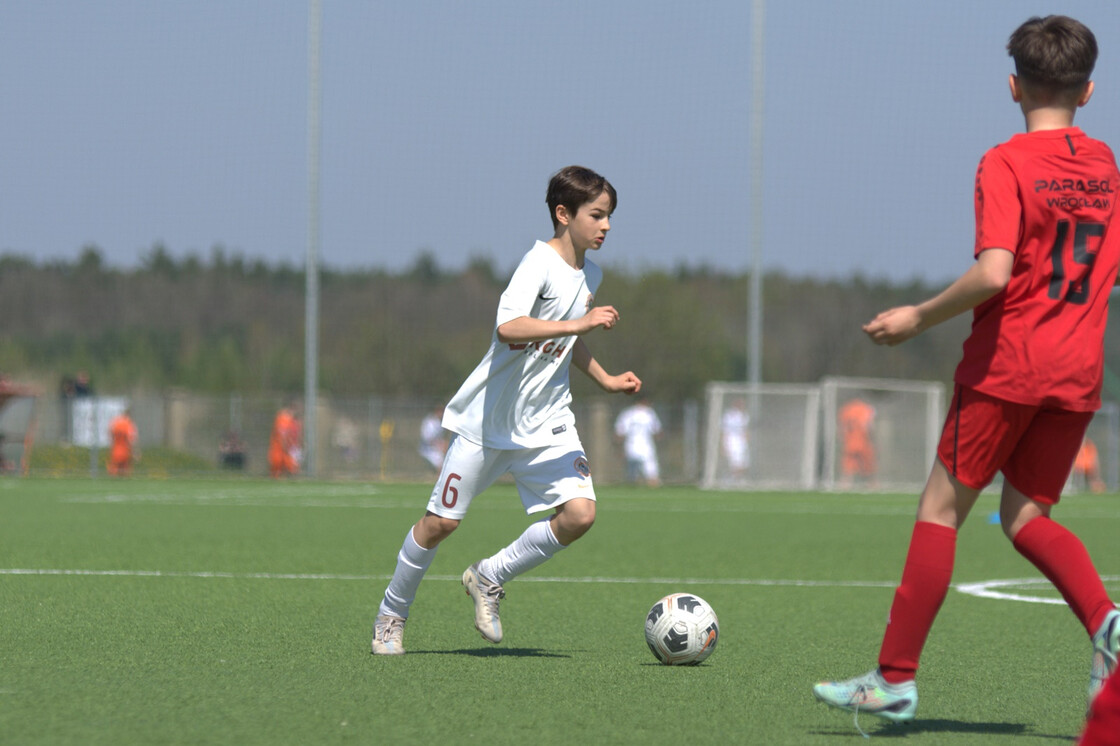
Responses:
[388,635]
[486,595]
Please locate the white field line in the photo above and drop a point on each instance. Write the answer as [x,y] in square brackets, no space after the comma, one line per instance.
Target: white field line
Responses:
[992,589]
[455,578]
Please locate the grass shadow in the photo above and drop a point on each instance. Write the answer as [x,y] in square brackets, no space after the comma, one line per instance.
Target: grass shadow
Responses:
[494,653]
[902,730]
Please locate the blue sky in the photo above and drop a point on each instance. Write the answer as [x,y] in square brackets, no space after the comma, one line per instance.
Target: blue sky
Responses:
[129,123]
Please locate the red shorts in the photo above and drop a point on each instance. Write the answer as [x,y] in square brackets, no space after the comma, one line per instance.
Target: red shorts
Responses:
[1033,446]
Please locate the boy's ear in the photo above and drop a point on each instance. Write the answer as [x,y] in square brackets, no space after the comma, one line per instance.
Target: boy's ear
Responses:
[1016,89]
[562,216]
[1086,94]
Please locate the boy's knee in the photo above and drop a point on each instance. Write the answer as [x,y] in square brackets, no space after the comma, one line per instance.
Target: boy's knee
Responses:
[574,520]
[432,529]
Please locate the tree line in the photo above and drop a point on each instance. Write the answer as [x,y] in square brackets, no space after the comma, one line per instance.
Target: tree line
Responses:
[224,324]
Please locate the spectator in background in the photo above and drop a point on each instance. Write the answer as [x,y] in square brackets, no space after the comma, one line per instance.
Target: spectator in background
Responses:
[82,385]
[736,443]
[433,438]
[856,422]
[125,448]
[231,451]
[638,427]
[285,446]
[346,438]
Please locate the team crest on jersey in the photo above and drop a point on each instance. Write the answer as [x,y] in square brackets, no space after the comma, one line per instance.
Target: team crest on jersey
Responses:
[583,467]
[590,301]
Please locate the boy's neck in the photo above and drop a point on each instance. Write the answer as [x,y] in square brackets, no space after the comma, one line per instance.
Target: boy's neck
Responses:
[562,246]
[1043,118]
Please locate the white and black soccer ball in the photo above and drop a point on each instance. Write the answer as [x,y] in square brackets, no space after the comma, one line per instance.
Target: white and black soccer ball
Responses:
[682,629]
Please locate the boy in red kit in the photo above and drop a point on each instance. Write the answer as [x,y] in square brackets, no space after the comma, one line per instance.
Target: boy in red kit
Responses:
[1047,252]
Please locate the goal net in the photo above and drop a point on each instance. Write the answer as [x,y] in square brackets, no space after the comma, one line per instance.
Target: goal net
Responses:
[17,427]
[760,436]
[879,433]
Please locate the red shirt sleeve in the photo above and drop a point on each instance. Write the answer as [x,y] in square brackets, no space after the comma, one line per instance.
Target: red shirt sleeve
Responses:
[999,213]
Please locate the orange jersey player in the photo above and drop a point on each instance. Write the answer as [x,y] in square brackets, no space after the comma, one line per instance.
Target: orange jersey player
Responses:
[284,446]
[125,448]
[855,419]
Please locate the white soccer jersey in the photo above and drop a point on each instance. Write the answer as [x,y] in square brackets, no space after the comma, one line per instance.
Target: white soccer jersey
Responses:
[638,425]
[519,395]
[736,447]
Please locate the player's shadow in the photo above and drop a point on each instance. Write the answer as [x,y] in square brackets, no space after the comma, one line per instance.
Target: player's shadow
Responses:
[494,653]
[888,730]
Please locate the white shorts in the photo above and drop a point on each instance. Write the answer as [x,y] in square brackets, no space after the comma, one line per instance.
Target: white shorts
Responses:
[545,477]
[644,467]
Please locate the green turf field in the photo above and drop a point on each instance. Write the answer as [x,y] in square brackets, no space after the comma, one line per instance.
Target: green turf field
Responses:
[239,612]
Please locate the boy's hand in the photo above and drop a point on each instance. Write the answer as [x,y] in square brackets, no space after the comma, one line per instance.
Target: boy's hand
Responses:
[604,316]
[626,383]
[894,326]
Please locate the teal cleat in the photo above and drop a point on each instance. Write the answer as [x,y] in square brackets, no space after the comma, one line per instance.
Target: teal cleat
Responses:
[1106,647]
[870,693]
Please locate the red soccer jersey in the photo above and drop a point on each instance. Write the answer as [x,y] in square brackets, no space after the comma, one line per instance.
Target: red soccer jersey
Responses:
[1047,196]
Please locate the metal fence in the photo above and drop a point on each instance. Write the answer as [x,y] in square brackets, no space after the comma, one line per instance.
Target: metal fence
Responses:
[371,438]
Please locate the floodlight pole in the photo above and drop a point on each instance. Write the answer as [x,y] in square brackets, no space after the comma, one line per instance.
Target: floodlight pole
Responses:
[754,325]
[311,301]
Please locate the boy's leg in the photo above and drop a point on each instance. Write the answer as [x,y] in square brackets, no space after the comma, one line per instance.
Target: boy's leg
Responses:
[464,475]
[413,562]
[1035,475]
[534,547]
[926,576]
[1062,558]
[552,477]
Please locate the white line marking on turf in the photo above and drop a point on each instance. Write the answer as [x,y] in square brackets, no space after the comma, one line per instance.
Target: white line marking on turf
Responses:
[456,578]
[982,589]
[989,589]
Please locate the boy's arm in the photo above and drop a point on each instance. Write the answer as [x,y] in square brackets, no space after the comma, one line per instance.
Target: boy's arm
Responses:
[627,383]
[529,329]
[988,276]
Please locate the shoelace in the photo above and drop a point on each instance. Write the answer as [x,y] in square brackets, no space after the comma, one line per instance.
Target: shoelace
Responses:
[859,698]
[393,627]
[492,595]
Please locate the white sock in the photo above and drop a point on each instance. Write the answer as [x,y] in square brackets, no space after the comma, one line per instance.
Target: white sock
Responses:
[412,562]
[532,548]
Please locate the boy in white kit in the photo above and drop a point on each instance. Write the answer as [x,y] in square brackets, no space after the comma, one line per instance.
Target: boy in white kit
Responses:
[638,426]
[512,413]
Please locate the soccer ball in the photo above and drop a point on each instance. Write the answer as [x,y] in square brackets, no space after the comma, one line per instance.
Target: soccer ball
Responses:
[682,629]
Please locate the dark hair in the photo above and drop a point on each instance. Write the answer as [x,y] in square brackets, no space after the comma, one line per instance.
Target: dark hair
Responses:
[1055,54]
[574,187]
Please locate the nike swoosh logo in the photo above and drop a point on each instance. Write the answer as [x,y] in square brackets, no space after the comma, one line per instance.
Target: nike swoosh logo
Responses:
[543,297]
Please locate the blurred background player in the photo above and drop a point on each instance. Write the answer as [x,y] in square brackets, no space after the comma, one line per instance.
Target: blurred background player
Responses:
[433,438]
[1047,251]
[856,421]
[124,448]
[735,440]
[513,416]
[285,443]
[1087,467]
[638,427]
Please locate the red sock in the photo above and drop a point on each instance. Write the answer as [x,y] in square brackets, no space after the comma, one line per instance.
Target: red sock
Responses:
[925,581]
[1062,558]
